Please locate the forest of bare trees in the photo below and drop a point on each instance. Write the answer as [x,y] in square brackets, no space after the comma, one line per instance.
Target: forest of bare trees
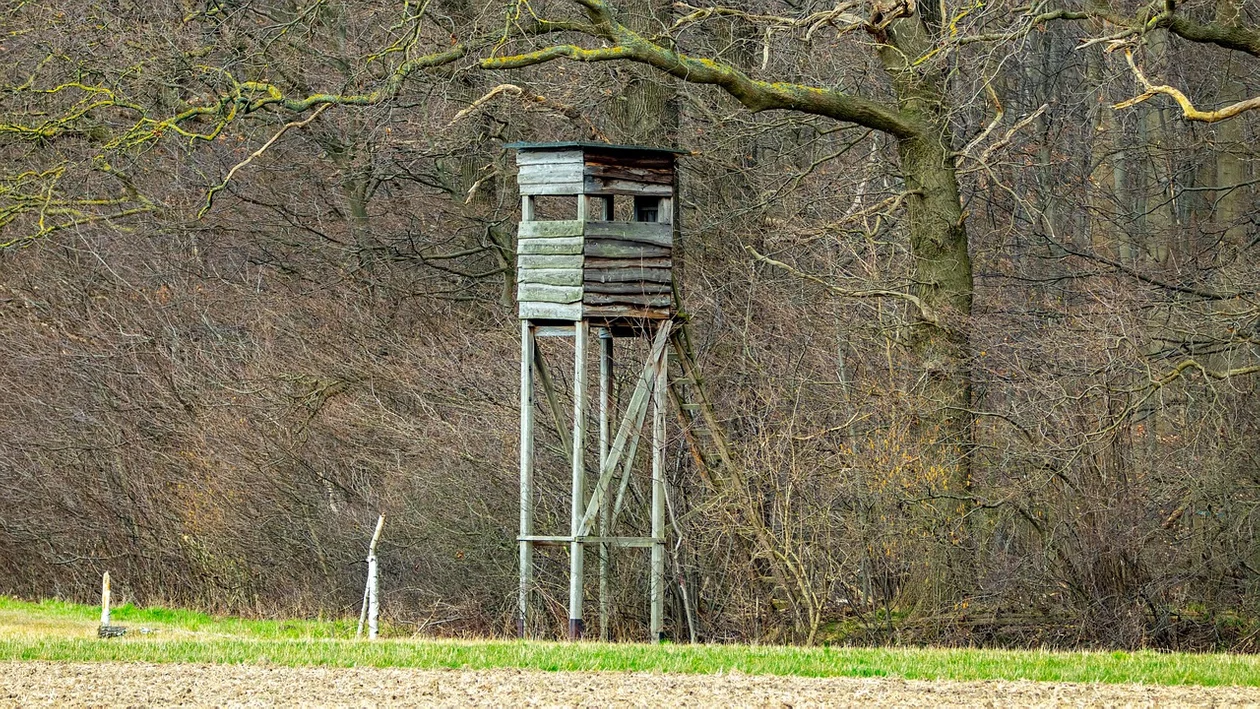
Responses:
[974,287]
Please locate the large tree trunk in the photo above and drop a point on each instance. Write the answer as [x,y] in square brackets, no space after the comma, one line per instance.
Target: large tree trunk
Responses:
[645,111]
[943,284]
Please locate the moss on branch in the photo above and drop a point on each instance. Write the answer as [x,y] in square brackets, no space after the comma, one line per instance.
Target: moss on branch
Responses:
[753,94]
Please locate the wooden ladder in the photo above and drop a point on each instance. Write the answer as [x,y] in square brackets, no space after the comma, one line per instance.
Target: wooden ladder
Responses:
[704,435]
[712,455]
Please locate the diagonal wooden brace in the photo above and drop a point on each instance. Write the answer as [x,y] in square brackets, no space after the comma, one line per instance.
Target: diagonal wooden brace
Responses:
[638,405]
[625,470]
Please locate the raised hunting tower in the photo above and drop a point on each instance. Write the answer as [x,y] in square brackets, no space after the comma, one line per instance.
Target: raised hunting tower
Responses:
[595,250]
[603,251]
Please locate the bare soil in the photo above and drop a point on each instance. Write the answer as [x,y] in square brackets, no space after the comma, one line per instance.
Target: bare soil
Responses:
[49,684]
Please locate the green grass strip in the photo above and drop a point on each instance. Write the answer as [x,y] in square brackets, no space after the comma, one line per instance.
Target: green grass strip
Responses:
[316,643]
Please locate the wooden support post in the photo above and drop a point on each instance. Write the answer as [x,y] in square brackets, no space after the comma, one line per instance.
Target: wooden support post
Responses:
[579,478]
[526,547]
[657,581]
[605,505]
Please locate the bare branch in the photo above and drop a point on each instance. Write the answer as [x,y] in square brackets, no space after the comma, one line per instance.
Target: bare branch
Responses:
[1194,365]
[1188,111]
[925,312]
[526,94]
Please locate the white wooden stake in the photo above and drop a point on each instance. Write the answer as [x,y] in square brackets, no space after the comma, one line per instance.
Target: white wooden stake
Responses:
[105,600]
[371,607]
[373,602]
[605,500]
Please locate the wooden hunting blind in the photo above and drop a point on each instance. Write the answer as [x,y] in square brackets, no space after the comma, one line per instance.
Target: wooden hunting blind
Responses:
[595,250]
[603,249]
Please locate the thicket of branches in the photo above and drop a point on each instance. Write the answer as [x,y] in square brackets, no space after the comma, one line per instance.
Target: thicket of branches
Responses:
[974,289]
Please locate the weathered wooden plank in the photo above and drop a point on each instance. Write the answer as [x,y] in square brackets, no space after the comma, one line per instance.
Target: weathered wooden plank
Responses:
[608,248]
[649,300]
[645,161]
[666,212]
[550,172]
[550,311]
[600,185]
[643,232]
[565,188]
[526,549]
[550,276]
[541,293]
[550,229]
[612,312]
[623,275]
[553,331]
[540,157]
[637,288]
[659,176]
[628,262]
[562,261]
[550,247]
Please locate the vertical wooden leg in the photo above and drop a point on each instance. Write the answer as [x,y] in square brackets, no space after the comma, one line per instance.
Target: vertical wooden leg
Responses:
[526,547]
[579,480]
[657,582]
[605,506]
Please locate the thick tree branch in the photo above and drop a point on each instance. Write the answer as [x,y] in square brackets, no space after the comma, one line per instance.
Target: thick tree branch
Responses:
[1194,365]
[1233,36]
[1188,111]
[754,95]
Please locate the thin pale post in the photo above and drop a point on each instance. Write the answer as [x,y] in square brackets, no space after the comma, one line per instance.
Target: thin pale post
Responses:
[105,600]
[374,581]
[605,508]
[526,547]
[579,479]
[369,609]
[657,581]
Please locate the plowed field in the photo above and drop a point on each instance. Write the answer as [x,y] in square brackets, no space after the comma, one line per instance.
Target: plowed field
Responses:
[45,684]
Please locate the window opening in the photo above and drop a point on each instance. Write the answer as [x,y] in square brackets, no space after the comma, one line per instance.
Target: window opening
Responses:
[599,208]
[647,209]
[553,208]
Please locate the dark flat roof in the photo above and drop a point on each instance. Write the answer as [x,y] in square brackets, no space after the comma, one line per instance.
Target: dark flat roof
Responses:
[597,146]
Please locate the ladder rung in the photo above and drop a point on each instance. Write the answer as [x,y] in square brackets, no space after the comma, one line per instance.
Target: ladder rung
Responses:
[690,407]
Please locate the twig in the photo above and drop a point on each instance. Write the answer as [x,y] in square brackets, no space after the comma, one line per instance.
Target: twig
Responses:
[295,124]
[926,312]
[525,94]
